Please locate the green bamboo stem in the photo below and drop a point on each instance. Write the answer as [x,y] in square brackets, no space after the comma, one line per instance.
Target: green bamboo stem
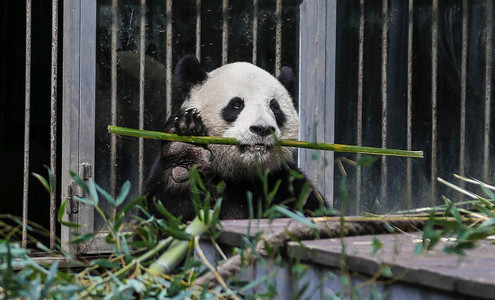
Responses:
[284,143]
[178,249]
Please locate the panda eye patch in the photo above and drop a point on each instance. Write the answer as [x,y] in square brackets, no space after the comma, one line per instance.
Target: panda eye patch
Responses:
[233,109]
[277,111]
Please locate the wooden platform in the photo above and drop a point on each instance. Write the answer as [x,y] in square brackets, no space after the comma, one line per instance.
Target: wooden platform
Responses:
[468,277]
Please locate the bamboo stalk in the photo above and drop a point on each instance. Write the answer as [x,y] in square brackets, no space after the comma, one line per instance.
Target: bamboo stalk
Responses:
[283,143]
[178,249]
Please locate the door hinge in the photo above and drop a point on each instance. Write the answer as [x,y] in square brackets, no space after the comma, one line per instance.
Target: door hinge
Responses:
[72,204]
[74,190]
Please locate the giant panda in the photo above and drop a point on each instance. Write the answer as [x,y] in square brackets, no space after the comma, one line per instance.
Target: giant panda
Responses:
[237,100]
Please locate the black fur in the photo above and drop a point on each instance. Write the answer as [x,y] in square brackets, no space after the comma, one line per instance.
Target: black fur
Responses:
[279,114]
[187,74]
[169,181]
[233,109]
[287,79]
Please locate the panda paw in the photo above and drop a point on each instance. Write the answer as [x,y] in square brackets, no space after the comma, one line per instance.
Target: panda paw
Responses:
[189,122]
[181,157]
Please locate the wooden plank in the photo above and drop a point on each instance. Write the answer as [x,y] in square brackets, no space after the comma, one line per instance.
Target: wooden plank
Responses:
[472,275]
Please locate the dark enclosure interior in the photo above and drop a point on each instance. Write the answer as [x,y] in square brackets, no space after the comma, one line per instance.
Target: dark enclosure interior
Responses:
[436,120]
[12,95]
[241,42]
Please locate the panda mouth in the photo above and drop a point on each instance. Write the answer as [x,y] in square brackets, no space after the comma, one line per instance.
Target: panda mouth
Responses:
[256,148]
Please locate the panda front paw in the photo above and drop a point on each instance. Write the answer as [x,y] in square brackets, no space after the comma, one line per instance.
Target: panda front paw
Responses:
[189,122]
[178,157]
[183,157]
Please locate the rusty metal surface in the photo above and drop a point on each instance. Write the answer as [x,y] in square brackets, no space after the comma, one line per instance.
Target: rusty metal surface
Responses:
[53,120]
[27,116]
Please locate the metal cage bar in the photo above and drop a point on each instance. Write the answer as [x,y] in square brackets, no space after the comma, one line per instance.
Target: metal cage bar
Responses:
[142,66]
[462,135]
[278,37]
[27,117]
[198,29]
[359,121]
[168,63]
[488,89]
[53,119]
[225,32]
[384,166]
[255,32]
[434,65]
[410,27]
[113,97]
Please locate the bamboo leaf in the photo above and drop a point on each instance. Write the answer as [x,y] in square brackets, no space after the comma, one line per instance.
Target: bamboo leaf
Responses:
[82,238]
[294,216]
[92,191]
[104,263]
[105,195]
[43,181]
[79,181]
[124,191]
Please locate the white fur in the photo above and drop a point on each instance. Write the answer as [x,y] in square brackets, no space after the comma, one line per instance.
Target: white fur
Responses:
[257,88]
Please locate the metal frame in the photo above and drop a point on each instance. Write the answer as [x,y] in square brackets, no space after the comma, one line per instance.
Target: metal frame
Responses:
[317,24]
[78,133]
[317,83]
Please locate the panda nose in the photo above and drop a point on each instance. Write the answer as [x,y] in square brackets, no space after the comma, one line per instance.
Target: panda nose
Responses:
[262,130]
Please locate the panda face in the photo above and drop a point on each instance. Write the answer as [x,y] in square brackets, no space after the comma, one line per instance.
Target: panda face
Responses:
[242,101]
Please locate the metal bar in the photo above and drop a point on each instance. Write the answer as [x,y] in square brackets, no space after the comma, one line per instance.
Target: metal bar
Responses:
[113,98]
[225,31]
[27,119]
[142,56]
[409,99]
[434,63]
[278,38]
[168,64]
[359,133]
[53,120]
[198,29]
[384,169]
[488,89]
[255,31]
[462,142]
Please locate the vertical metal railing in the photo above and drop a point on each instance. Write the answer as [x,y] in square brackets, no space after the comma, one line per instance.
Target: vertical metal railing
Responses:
[113,97]
[434,65]
[359,121]
[278,37]
[255,32]
[462,134]
[198,29]
[433,144]
[142,66]
[168,63]
[53,122]
[384,168]
[409,100]
[53,119]
[27,118]
[225,32]
[488,89]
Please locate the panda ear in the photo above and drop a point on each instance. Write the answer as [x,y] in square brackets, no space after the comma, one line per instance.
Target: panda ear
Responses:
[187,74]
[287,79]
